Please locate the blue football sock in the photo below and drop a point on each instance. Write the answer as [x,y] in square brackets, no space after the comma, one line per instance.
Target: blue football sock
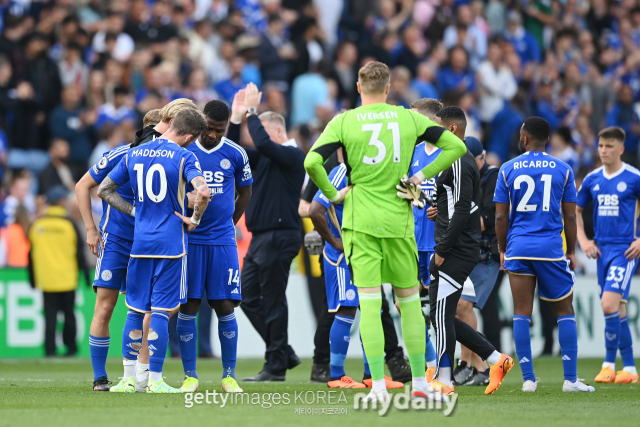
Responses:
[228,334]
[158,339]
[445,362]
[430,352]
[568,337]
[188,336]
[626,344]
[367,371]
[611,336]
[522,338]
[99,348]
[339,338]
[132,335]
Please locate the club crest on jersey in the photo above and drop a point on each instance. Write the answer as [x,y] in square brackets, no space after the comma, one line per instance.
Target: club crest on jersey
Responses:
[225,164]
[106,275]
[103,163]
[351,294]
[622,186]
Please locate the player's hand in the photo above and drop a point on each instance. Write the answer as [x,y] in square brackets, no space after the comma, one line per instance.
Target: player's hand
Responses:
[187,221]
[502,262]
[342,193]
[591,250]
[337,243]
[634,250]
[238,108]
[572,261]
[94,240]
[408,189]
[432,213]
[438,260]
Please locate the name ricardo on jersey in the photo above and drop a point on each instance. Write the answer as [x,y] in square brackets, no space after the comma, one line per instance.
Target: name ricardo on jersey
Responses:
[534,164]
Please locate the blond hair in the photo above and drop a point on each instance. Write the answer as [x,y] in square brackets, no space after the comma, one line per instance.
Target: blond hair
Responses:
[373,78]
[152,118]
[272,116]
[428,107]
[171,110]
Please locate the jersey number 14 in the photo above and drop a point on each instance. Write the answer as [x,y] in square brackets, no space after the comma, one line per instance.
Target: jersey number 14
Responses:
[523,206]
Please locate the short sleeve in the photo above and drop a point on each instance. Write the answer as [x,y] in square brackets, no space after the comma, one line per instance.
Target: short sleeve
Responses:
[120,173]
[584,193]
[338,177]
[100,170]
[501,194]
[191,167]
[242,174]
[570,188]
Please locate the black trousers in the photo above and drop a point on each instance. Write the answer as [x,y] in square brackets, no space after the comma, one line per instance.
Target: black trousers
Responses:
[444,294]
[53,303]
[264,284]
[322,351]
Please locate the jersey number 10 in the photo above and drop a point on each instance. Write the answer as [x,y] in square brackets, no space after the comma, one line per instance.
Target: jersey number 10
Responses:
[139,168]
[523,206]
[375,129]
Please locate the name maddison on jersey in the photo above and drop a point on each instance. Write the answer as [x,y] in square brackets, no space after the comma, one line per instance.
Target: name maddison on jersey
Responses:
[152,153]
[534,164]
[378,116]
[608,205]
[214,181]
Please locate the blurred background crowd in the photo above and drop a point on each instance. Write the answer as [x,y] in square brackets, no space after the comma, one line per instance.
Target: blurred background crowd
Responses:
[77,76]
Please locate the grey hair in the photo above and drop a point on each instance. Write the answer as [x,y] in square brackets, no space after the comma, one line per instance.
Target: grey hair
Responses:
[272,116]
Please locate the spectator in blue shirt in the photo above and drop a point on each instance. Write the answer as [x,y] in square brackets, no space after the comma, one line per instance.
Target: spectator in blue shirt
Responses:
[457,75]
[229,87]
[522,40]
[422,84]
[544,103]
[623,115]
[505,131]
[68,121]
[308,92]
[117,111]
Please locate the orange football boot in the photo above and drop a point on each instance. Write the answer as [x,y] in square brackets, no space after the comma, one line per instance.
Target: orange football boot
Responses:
[624,377]
[388,381]
[345,382]
[498,372]
[442,389]
[606,375]
[431,375]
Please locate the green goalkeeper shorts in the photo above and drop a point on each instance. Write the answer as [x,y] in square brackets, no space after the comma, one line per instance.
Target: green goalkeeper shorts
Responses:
[374,260]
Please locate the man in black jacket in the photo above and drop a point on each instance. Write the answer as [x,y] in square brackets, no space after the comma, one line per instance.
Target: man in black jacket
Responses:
[457,235]
[484,275]
[272,216]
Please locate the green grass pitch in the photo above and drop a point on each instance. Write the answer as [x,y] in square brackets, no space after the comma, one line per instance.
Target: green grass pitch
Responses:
[57,392]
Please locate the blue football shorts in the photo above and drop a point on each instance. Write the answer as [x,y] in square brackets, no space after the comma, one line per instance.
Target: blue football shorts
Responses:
[340,290]
[615,270]
[156,284]
[111,268]
[555,278]
[216,270]
[424,258]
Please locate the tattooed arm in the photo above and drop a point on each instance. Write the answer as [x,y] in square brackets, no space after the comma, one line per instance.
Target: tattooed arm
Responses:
[199,204]
[107,192]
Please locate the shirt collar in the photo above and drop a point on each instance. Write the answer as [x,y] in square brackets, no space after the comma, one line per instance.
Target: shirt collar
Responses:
[290,143]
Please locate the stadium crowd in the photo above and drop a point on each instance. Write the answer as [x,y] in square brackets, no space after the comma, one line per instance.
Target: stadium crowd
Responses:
[77,76]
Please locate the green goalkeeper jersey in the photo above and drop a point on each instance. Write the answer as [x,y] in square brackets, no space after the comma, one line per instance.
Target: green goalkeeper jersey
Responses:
[378,141]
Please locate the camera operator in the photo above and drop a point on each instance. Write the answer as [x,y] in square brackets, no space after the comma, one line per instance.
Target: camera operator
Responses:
[483,277]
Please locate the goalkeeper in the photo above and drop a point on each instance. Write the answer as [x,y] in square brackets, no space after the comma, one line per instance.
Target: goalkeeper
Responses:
[378,142]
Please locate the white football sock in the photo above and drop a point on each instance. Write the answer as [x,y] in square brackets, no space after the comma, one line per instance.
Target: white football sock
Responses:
[155,376]
[420,383]
[630,369]
[141,368]
[129,368]
[444,376]
[432,364]
[379,385]
[494,358]
[609,365]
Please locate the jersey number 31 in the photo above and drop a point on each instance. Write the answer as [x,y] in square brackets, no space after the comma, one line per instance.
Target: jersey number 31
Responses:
[375,129]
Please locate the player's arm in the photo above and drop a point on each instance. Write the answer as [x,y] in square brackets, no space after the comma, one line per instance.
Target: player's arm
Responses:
[242,201]
[83,193]
[589,247]
[461,213]
[324,147]
[318,215]
[107,192]
[502,228]
[200,203]
[452,147]
[570,230]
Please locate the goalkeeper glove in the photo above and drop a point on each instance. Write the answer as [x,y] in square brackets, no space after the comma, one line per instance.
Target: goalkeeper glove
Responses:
[413,192]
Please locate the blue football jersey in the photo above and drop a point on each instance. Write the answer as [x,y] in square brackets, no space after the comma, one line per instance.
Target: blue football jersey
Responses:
[615,216]
[424,227]
[338,177]
[224,167]
[158,172]
[113,221]
[535,184]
